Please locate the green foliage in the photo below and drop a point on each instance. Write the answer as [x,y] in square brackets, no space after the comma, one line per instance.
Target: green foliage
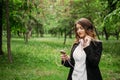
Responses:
[60,14]
[40,60]
[91,9]
[23,15]
[86,8]
[111,21]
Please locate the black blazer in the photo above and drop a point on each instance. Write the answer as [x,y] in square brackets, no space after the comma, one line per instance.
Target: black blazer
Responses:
[93,55]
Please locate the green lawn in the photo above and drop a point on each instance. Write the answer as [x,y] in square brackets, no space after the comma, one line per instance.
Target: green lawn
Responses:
[40,60]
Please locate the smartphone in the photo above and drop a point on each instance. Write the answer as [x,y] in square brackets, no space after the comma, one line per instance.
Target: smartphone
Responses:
[62,52]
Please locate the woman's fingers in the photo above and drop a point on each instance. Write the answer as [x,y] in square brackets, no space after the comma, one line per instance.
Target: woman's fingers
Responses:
[64,57]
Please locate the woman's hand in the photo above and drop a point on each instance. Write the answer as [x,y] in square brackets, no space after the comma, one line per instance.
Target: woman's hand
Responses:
[86,41]
[64,57]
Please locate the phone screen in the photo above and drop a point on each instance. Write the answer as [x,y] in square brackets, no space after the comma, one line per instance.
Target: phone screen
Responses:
[62,52]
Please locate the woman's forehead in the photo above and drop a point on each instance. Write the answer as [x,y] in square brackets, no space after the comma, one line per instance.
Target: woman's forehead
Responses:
[78,26]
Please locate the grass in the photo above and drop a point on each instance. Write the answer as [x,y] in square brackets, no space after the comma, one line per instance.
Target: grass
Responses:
[110,61]
[40,60]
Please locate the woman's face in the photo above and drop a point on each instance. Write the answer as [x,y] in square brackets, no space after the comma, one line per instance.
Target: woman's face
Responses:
[80,31]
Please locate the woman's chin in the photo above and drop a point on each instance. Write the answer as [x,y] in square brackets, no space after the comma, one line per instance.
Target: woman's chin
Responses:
[82,37]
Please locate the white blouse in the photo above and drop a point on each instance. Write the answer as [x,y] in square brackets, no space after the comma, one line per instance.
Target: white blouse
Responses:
[79,72]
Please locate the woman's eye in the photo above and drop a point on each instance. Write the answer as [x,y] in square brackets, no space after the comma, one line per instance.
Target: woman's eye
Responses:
[80,28]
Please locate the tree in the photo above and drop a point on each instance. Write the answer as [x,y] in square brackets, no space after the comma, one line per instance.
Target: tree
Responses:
[111,18]
[8,32]
[1,12]
[112,24]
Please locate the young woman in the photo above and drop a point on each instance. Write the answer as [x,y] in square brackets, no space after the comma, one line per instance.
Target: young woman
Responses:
[85,53]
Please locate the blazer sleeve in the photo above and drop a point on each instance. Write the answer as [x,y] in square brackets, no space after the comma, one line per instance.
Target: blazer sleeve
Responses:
[67,63]
[93,52]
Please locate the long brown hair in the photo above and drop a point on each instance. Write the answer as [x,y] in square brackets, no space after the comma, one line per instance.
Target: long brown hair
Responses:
[88,26]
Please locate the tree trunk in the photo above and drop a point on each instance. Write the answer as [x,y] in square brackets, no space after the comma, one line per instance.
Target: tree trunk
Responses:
[1,12]
[97,33]
[106,34]
[8,32]
[70,34]
[65,37]
[28,35]
[18,33]
[117,35]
